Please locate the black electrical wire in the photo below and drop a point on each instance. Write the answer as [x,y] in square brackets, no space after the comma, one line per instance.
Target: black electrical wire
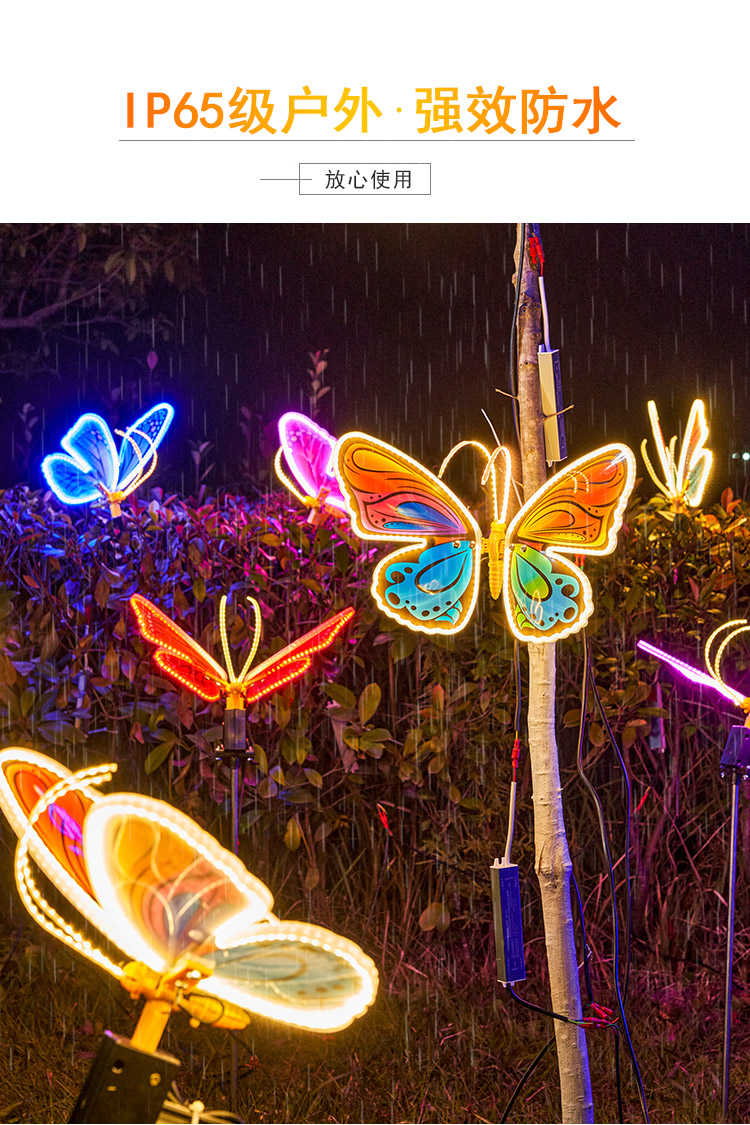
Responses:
[586,950]
[629,942]
[628,813]
[605,846]
[537,1008]
[525,1077]
[513,359]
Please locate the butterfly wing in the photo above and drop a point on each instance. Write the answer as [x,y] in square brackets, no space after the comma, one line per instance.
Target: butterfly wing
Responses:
[166,886]
[578,511]
[308,450]
[90,443]
[178,654]
[55,843]
[296,973]
[695,460]
[429,588]
[294,660]
[140,442]
[69,482]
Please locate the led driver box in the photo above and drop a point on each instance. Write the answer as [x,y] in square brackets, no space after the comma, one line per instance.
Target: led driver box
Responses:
[506,910]
[554,425]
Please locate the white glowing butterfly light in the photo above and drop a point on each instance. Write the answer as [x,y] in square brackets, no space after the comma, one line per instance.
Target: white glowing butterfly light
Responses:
[196,923]
[92,468]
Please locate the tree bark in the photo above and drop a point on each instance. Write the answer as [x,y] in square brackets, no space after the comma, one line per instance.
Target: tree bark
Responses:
[553,866]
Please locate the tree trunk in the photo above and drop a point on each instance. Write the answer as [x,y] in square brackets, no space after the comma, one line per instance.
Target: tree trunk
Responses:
[553,864]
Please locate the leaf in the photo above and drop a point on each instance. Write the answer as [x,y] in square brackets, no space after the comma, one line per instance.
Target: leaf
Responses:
[402,647]
[128,665]
[312,878]
[341,695]
[50,643]
[267,788]
[158,755]
[596,735]
[342,557]
[379,734]
[111,664]
[412,741]
[292,836]
[314,778]
[436,916]
[368,703]
[8,673]
[295,747]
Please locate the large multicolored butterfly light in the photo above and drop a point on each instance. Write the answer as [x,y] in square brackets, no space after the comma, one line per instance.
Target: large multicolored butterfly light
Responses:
[149,880]
[713,654]
[186,661]
[431,584]
[308,451]
[684,481]
[92,468]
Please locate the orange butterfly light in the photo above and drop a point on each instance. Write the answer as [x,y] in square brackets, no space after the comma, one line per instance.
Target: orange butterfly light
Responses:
[186,661]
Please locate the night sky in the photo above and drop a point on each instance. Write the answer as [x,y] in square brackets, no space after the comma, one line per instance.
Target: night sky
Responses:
[417,322]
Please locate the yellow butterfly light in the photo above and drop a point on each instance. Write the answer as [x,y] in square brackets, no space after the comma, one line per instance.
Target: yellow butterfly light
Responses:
[684,480]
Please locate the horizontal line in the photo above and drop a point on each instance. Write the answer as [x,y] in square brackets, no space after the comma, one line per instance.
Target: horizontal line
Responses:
[286,179]
[379,140]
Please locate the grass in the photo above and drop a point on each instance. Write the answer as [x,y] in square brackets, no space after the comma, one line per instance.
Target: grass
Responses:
[443,1042]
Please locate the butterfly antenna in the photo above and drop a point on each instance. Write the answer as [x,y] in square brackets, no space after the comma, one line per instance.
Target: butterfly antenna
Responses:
[228,666]
[256,639]
[650,468]
[142,474]
[737,626]
[492,428]
[501,510]
[285,479]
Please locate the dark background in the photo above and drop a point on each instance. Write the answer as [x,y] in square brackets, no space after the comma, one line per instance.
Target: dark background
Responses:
[417,322]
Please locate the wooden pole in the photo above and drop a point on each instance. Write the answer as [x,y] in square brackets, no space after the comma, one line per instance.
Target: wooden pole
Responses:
[553,866]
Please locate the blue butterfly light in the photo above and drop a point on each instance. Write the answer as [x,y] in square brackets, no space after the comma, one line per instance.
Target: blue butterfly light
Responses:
[91,467]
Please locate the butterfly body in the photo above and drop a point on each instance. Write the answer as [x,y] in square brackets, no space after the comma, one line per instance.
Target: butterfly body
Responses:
[92,468]
[307,449]
[431,585]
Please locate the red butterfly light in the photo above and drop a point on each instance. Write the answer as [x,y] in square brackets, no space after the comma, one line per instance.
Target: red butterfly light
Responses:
[186,661]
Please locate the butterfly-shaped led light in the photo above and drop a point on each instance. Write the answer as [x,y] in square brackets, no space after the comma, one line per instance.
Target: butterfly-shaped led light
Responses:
[713,654]
[684,481]
[186,661]
[91,468]
[197,924]
[431,585]
[308,451]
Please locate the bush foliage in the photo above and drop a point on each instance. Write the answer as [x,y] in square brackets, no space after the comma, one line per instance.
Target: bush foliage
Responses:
[378,793]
